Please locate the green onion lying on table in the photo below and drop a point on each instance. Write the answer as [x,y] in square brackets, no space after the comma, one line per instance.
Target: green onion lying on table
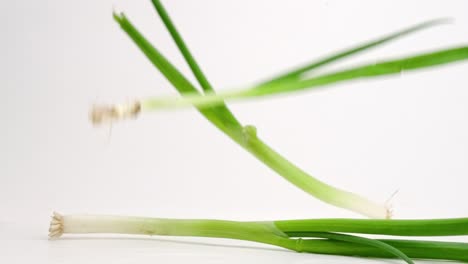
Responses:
[324,236]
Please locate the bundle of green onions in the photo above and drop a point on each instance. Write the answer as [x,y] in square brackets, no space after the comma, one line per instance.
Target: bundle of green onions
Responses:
[327,236]
[322,236]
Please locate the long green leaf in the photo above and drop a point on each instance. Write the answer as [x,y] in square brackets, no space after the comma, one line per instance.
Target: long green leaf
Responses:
[367,71]
[364,241]
[295,73]
[182,46]
[412,248]
[394,227]
[221,110]
[386,68]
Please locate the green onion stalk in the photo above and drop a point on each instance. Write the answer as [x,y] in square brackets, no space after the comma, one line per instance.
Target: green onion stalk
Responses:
[321,236]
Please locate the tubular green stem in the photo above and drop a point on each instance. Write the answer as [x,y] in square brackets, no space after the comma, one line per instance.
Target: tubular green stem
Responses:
[412,248]
[197,71]
[419,227]
[220,109]
[304,181]
[273,233]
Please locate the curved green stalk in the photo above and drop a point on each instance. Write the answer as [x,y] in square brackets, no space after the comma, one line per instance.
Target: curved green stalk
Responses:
[244,137]
[301,179]
[366,242]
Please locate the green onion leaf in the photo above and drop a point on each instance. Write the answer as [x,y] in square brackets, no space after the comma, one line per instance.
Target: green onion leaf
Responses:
[221,110]
[396,227]
[295,73]
[367,71]
[412,248]
[385,68]
[364,241]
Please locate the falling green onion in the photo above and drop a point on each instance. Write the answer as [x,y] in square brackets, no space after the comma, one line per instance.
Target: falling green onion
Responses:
[245,136]
[212,105]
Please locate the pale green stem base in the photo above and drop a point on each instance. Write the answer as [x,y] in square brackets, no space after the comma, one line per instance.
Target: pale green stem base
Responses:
[263,232]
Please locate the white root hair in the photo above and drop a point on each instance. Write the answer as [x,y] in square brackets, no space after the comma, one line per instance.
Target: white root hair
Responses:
[56,226]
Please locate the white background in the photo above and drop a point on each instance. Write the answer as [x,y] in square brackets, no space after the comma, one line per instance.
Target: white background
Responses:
[406,133]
